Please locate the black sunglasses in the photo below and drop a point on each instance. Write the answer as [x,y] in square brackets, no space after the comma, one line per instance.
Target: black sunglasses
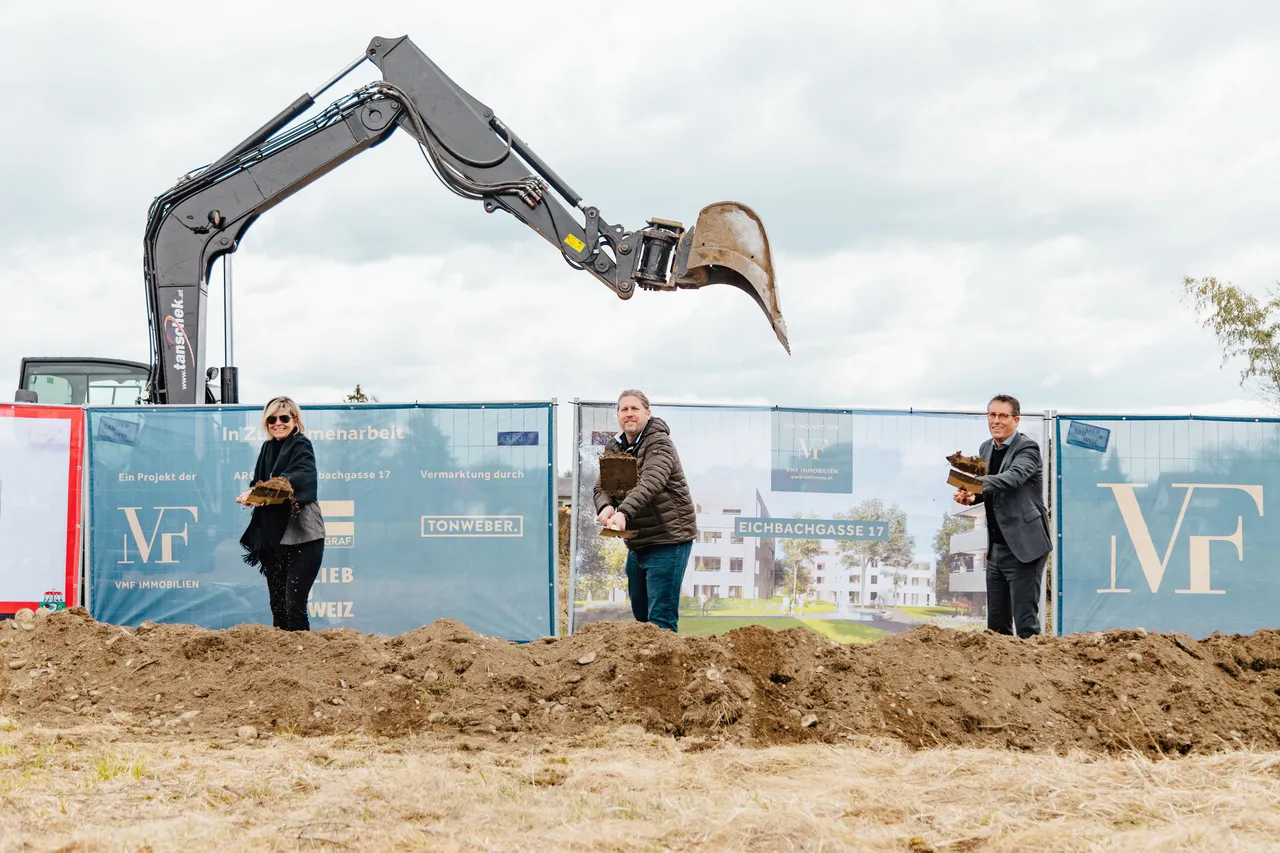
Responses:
[284,419]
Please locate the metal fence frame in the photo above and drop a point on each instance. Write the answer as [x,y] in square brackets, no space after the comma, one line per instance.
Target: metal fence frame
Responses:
[1048,428]
[86,576]
[1051,604]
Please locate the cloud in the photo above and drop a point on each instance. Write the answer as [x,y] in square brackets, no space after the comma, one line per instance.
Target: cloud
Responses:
[960,200]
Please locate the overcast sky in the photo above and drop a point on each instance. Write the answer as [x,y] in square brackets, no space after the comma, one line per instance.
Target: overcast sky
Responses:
[962,198]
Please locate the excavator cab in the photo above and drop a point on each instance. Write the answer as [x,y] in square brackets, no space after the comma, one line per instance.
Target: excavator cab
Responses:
[82,381]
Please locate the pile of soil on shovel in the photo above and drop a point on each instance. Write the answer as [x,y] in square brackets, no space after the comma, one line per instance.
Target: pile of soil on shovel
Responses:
[1114,691]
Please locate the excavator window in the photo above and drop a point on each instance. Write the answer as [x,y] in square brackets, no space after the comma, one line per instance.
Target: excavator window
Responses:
[77,382]
[51,389]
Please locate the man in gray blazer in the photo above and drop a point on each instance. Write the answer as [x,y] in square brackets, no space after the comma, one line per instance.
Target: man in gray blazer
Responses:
[1018,542]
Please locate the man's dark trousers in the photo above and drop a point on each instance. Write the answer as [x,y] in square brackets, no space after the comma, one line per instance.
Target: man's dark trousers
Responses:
[654,576]
[1013,592]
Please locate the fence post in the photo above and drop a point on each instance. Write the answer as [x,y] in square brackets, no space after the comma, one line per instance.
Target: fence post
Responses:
[554,519]
[1051,495]
[573,512]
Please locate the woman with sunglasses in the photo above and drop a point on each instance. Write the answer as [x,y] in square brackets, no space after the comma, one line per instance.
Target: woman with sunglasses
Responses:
[286,541]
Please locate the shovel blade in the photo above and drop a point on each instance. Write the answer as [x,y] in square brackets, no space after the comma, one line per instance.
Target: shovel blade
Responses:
[728,245]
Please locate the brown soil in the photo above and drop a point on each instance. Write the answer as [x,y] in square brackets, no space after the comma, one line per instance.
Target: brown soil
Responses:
[276,484]
[1122,690]
[975,465]
[618,472]
[277,490]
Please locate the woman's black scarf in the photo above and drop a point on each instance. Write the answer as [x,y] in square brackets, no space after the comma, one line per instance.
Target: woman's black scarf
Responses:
[293,459]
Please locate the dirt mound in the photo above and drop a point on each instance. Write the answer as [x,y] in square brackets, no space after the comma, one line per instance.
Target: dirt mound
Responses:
[931,687]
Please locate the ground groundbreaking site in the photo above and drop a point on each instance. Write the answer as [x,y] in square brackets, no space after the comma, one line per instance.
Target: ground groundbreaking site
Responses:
[626,737]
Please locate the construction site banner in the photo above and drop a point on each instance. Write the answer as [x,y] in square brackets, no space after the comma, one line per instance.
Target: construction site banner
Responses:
[833,520]
[41,457]
[430,512]
[1162,524]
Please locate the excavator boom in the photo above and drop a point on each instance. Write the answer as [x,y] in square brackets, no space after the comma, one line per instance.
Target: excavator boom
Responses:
[471,151]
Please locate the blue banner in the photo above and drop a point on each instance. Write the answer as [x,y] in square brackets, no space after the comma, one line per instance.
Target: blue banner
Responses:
[1166,530]
[812,452]
[430,512]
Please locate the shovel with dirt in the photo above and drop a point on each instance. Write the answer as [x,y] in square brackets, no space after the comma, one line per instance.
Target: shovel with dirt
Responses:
[277,490]
[619,473]
[965,471]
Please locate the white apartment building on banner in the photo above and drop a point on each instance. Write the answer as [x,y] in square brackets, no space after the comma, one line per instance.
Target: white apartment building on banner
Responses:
[873,586]
[723,565]
[970,580]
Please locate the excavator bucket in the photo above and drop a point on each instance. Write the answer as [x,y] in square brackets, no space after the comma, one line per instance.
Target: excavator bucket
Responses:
[727,245]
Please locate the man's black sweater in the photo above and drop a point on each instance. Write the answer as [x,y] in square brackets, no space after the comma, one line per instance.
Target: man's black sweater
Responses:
[997,458]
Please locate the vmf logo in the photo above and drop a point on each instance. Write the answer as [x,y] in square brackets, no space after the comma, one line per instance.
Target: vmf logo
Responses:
[145,543]
[1152,565]
[812,449]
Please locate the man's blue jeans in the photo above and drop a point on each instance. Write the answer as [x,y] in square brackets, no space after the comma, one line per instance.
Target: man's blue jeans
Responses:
[654,576]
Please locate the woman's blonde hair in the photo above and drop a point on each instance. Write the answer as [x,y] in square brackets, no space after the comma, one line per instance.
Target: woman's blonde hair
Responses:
[290,408]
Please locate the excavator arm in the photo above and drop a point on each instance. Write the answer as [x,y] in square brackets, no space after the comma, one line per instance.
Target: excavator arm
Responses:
[471,151]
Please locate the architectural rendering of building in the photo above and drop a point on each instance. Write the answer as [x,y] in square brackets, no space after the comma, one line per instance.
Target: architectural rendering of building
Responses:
[874,585]
[724,565]
[968,578]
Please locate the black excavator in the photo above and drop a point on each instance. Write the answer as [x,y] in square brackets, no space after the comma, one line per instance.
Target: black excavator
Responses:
[474,154]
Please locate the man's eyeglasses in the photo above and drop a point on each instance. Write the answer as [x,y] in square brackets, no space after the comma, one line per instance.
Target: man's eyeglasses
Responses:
[284,419]
[999,416]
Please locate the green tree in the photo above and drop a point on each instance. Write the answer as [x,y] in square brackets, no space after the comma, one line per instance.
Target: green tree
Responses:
[797,565]
[592,569]
[948,562]
[1244,326]
[602,569]
[897,574]
[359,396]
[613,562]
[897,552]
[600,560]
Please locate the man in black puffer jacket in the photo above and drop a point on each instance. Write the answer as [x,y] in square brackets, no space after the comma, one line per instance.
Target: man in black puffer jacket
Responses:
[659,508]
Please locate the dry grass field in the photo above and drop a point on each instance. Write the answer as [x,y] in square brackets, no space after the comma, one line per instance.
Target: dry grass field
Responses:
[96,788]
[625,737]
